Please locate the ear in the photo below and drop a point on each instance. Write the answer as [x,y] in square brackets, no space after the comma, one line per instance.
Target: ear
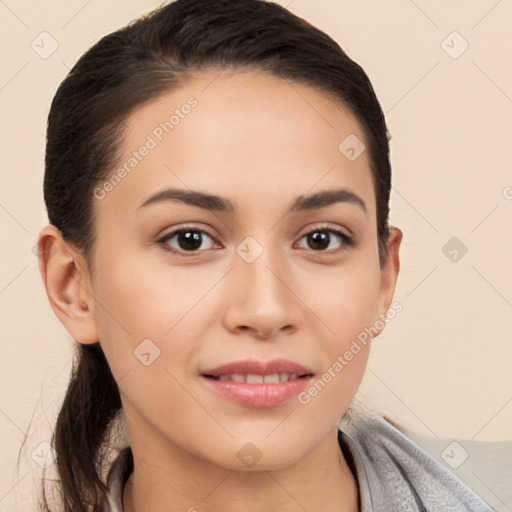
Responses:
[67,284]
[389,276]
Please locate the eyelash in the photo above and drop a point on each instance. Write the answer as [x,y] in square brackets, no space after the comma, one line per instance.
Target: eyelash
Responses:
[348,241]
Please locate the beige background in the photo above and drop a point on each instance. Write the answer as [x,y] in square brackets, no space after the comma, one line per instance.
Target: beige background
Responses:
[443,365]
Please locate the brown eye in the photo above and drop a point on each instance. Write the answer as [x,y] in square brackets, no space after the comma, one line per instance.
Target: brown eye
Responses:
[322,240]
[189,240]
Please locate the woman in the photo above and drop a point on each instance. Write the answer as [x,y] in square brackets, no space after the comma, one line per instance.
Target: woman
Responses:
[217,184]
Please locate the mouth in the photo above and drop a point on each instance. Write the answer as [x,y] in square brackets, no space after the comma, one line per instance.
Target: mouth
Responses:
[253,370]
[258,384]
[254,378]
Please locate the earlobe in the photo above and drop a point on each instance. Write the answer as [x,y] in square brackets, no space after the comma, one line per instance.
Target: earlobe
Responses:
[67,285]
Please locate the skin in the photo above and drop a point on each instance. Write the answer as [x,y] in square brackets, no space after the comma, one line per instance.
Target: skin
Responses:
[260,142]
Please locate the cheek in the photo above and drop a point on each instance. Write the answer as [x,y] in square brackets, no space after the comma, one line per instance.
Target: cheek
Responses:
[344,299]
[344,302]
[132,296]
[139,330]
[346,308]
[142,309]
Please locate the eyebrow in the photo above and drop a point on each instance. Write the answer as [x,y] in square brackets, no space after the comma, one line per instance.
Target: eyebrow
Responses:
[220,204]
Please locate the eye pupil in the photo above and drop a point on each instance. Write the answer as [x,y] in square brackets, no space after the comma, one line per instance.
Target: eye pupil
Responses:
[319,237]
[192,240]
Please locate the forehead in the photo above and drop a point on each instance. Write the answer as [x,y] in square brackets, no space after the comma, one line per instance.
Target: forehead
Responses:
[245,135]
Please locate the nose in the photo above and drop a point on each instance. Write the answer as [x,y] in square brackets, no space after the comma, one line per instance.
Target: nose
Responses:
[261,298]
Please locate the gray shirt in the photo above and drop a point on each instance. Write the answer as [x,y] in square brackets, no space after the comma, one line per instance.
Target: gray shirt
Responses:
[393,473]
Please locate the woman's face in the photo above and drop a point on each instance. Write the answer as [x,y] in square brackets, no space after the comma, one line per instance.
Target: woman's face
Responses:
[258,273]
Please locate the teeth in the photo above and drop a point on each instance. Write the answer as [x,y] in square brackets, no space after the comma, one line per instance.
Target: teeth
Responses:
[253,378]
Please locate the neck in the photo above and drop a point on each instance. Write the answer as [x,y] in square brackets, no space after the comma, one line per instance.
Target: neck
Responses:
[320,481]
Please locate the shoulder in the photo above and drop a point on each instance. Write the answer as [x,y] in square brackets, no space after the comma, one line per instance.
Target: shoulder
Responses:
[398,474]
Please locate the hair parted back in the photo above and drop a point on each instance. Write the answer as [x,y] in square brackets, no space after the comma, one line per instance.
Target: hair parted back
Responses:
[153,55]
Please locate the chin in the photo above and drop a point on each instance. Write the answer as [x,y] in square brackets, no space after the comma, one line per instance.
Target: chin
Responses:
[257,456]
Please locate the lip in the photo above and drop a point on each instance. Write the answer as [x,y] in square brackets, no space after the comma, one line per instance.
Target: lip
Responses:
[258,395]
[259,367]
